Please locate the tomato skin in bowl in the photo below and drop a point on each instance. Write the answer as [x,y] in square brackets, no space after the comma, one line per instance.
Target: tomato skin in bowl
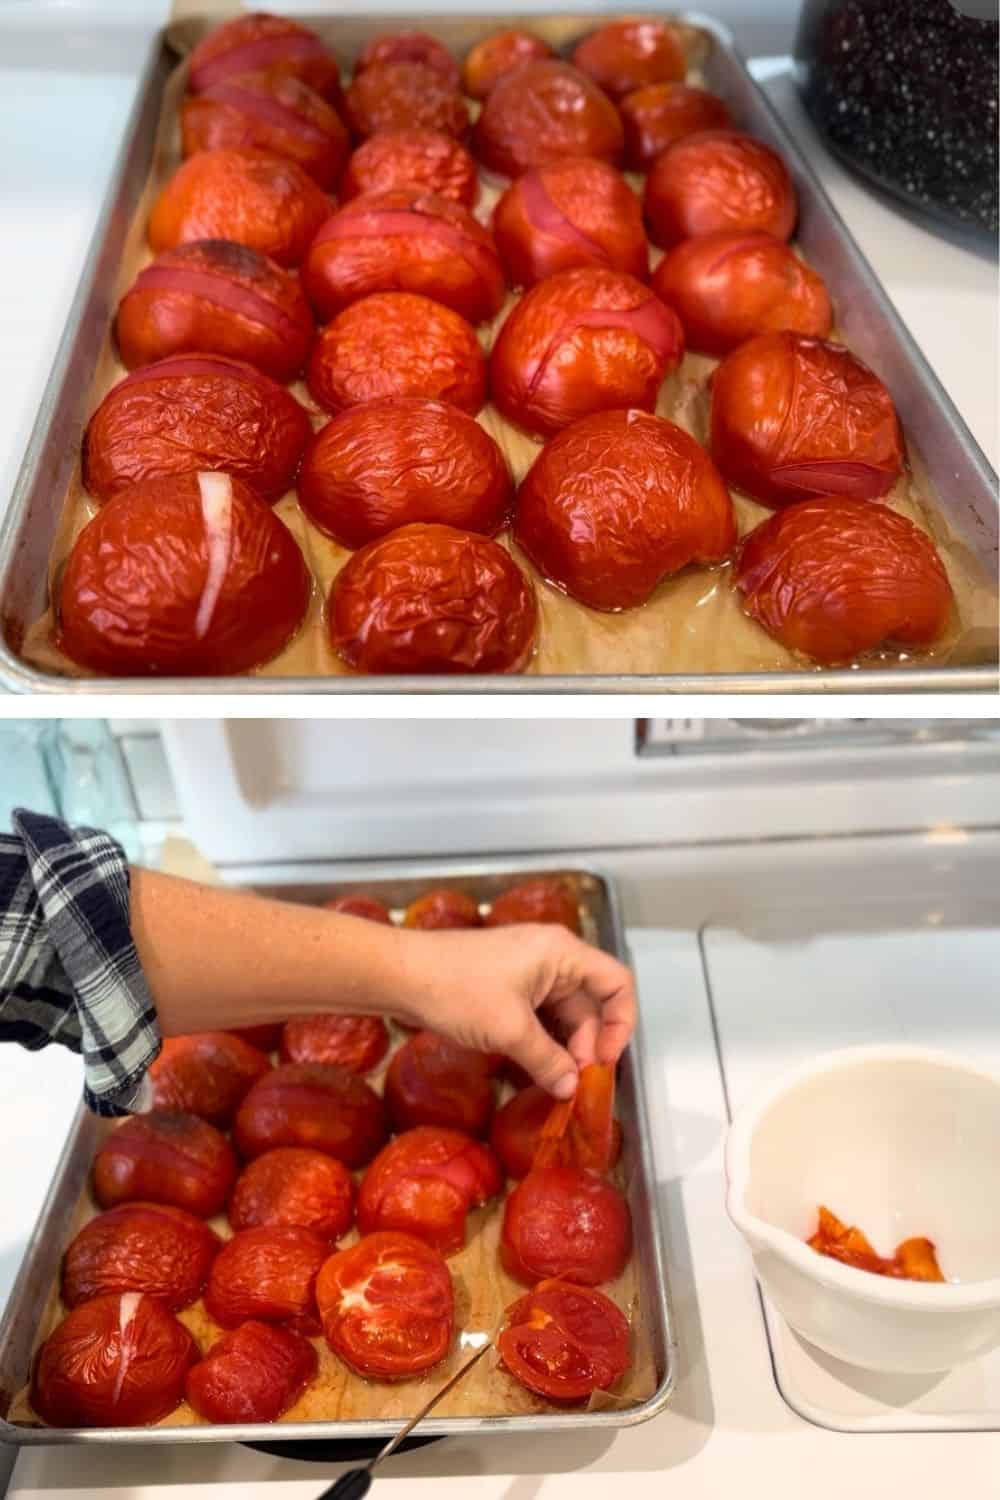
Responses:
[576,212]
[274,43]
[541,112]
[425,1182]
[565,1342]
[658,114]
[628,54]
[412,158]
[271,112]
[718,179]
[566,1222]
[253,1374]
[496,55]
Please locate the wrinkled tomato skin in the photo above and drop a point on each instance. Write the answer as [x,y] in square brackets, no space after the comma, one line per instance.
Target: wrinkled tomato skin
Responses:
[294,1188]
[564,1342]
[140,1247]
[387,1306]
[205,1074]
[660,113]
[253,1374]
[619,502]
[541,112]
[435,1081]
[715,180]
[268,112]
[360,906]
[406,240]
[428,159]
[581,342]
[571,213]
[115,1361]
[318,1105]
[443,908]
[165,1158]
[496,55]
[543,899]
[357,1043]
[132,595]
[216,297]
[268,1273]
[834,577]
[565,1222]
[424,1183]
[727,288]
[398,344]
[794,418]
[404,96]
[627,55]
[265,1038]
[410,46]
[517,1129]
[251,42]
[433,599]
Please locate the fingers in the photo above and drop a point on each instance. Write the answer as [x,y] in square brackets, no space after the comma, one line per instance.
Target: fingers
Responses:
[600,986]
[549,1064]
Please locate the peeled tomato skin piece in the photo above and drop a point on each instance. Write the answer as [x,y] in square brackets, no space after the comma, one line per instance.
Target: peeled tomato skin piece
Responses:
[541,112]
[624,55]
[714,180]
[575,212]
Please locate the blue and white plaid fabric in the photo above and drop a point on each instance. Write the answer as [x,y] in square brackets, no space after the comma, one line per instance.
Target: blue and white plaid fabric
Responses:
[69,971]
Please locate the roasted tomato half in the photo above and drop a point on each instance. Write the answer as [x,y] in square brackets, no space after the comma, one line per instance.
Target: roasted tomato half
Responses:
[428,159]
[540,112]
[251,1375]
[255,197]
[580,1132]
[405,96]
[398,344]
[271,112]
[794,417]
[265,1038]
[165,1158]
[195,412]
[294,1188]
[435,1081]
[409,46]
[360,906]
[216,297]
[268,1273]
[387,1306]
[626,55]
[406,240]
[206,1074]
[357,1043]
[433,599]
[496,55]
[566,1222]
[517,1130]
[546,898]
[424,1183]
[575,212]
[833,578]
[660,113]
[140,1247]
[115,1361]
[190,575]
[565,1342]
[443,908]
[320,1105]
[619,502]
[718,179]
[258,41]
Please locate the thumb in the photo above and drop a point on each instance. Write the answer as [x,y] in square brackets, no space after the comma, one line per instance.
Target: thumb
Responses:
[550,1065]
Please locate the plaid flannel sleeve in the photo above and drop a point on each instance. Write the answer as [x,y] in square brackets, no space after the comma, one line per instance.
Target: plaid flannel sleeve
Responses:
[69,971]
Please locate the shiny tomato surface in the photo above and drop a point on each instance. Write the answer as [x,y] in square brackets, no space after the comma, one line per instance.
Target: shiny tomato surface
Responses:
[544,898]
[435,1081]
[294,1187]
[409,46]
[834,577]
[267,1273]
[398,344]
[216,297]
[496,55]
[729,287]
[629,54]
[565,1342]
[517,1127]
[260,41]
[443,908]
[619,502]
[660,113]
[271,112]
[405,96]
[424,1183]
[116,1361]
[140,1247]
[714,180]
[206,1074]
[165,1158]
[319,1105]
[265,1038]
[576,212]
[565,1222]
[358,1043]
[189,575]
[360,906]
[580,1132]
[253,1374]
[543,111]
[428,159]
[387,1306]
[433,599]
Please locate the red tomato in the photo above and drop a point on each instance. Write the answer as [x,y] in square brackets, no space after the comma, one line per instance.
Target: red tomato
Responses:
[165,1158]
[435,1081]
[496,55]
[216,297]
[413,47]
[255,197]
[272,112]
[660,113]
[319,1105]
[626,55]
[619,502]
[424,1183]
[443,908]
[140,1247]
[718,179]
[261,41]
[728,287]
[545,898]
[398,344]
[206,1074]
[268,1273]
[406,240]
[265,1038]
[571,213]
[189,575]
[357,1043]
[565,1222]
[517,1129]
[541,112]
[251,1375]
[794,418]
[360,906]
[428,159]
[405,96]
[581,342]
[580,1132]
[433,599]
[832,578]
[115,1361]
[295,1188]
[387,1306]
[565,1342]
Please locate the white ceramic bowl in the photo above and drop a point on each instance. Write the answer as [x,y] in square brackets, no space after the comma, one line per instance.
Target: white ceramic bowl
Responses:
[900,1141]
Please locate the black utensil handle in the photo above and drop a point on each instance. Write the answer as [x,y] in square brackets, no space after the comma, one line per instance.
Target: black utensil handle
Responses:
[350,1486]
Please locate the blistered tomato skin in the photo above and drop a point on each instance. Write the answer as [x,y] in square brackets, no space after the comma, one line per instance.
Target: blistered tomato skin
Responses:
[660,113]
[626,55]
[140,1247]
[576,212]
[424,1183]
[272,113]
[834,577]
[565,1222]
[294,1188]
[206,1074]
[411,47]
[564,1342]
[730,287]
[319,1105]
[435,1081]
[165,1158]
[715,180]
[272,43]
[496,55]
[541,112]
[542,899]
[357,1043]
[360,906]
[443,908]
[428,159]
[268,1273]
[251,1375]
[404,96]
